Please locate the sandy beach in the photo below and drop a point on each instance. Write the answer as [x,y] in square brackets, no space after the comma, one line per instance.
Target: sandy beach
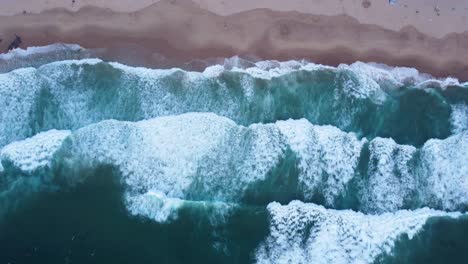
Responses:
[429,35]
[234,131]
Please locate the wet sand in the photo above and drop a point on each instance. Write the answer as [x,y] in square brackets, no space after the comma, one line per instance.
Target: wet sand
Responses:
[427,35]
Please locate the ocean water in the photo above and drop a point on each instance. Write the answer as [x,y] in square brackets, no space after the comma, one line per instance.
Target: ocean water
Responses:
[243,162]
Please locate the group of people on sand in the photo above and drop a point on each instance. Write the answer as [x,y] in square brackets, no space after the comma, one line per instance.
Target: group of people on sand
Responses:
[15,43]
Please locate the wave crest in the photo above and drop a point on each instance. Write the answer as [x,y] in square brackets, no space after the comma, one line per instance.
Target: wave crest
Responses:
[73,94]
[205,157]
[308,233]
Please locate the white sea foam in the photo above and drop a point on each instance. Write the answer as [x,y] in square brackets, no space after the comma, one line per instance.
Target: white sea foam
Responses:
[160,153]
[274,69]
[33,153]
[21,53]
[71,97]
[91,61]
[202,156]
[443,167]
[213,71]
[321,151]
[167,161]
[382,73]
[18,91]
[211,158]
[269,69]
[375,73]
[154,205]
[400,176]
[308,233]
[191,154]
[26,168]
[459,118]
[162,209]
[441,83]
[391,181]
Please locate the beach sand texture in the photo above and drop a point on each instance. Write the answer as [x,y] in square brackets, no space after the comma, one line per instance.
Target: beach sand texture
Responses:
[429,35]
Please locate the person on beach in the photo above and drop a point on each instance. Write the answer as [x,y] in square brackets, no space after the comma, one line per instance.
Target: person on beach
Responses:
[16,43]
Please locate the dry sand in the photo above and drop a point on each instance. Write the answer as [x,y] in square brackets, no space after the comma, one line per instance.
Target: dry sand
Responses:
[427,34]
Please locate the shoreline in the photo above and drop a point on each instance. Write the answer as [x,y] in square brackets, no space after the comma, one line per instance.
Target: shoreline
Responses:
[182,31]
[434,18]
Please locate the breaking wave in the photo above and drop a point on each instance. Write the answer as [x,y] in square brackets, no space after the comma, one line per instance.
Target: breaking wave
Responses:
[361,98]
[363,156]
[205,157]
[308,233]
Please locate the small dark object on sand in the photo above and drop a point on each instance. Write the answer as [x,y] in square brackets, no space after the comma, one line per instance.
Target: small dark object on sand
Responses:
[437,10]
[366,3]
[16,43]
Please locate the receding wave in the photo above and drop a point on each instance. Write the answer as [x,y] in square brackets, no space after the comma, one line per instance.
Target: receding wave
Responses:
[38,56]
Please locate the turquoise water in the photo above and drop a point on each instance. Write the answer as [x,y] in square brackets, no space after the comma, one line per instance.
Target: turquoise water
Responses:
[244,162]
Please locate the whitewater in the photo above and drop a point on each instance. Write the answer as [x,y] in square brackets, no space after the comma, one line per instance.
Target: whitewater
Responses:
[258,161]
